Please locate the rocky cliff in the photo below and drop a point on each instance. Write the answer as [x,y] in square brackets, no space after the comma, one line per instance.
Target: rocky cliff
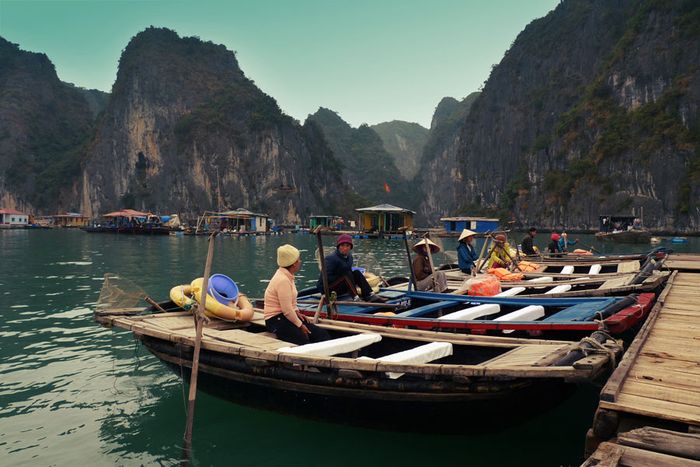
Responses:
[45,125]
[593,110]
[405,142]
[185,131]
[368,168]
[439,175]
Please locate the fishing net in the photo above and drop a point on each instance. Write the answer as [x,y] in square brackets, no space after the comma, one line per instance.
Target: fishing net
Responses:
[119,292]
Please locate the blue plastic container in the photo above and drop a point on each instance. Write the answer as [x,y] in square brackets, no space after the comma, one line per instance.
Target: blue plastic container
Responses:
[223,289]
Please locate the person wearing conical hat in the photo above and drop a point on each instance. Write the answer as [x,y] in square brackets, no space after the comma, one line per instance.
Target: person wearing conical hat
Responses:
[282,314]
[500,256]
[426,278]
[466,253]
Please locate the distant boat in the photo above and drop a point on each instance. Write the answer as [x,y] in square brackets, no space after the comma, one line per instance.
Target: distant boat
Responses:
[622,229]
[679,240]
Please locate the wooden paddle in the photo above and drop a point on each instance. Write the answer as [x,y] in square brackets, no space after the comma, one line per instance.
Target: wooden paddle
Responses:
[199,319]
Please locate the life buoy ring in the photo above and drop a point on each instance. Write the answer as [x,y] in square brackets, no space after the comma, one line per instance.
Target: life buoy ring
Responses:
[181,295]
[240,310]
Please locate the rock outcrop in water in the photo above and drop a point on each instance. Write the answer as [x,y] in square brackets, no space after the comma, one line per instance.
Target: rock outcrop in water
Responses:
[593,110]
[185,131]
[45,125]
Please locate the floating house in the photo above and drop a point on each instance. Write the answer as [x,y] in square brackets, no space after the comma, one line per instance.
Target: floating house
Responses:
[69,220]
[384,219]
[236,221]
[12,219]
[332,222]
[455,225]
[129,221]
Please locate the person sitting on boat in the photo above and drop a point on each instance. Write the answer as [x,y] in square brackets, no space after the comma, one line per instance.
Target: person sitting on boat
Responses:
[564,242]
[466,253]
[500,256]
[426,278]
[527,243]
[282,314]
[553,246]
[342,279]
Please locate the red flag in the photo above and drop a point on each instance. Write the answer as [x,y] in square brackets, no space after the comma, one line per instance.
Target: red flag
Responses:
[386,187]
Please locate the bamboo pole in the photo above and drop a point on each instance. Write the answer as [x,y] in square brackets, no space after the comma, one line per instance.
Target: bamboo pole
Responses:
[430,261]
[324,275]
[412,277]
[199,324]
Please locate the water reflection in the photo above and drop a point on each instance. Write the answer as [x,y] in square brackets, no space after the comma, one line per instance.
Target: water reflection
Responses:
[71,391]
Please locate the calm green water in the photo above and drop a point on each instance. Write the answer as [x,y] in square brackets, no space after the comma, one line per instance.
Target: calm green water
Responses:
[72,392]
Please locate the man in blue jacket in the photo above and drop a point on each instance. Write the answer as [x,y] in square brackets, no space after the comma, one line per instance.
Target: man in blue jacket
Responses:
[341,277]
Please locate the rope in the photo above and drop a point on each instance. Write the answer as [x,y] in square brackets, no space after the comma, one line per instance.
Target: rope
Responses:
[609,348]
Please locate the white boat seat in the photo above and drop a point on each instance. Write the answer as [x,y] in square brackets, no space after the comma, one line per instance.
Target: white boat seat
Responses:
[473,312]
[595,269]
[510,292]
[529,313]
[334,346]
[417,355]
[559,289]
[567,270]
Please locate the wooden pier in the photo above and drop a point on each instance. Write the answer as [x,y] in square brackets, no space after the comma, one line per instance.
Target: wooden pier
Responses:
[649,411]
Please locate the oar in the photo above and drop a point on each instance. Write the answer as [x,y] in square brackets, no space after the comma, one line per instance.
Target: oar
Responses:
[199,324]
[412,277]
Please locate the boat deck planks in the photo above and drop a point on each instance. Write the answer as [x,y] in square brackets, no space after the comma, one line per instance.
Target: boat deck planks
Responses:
[658,380]
[523,355]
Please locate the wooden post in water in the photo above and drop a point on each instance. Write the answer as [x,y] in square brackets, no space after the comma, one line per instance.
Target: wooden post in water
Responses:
[199,324]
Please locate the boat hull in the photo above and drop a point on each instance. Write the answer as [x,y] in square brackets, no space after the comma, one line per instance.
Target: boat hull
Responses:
[413,405]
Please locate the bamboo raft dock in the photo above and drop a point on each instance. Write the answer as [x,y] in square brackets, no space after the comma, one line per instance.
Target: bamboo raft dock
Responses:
[649,411]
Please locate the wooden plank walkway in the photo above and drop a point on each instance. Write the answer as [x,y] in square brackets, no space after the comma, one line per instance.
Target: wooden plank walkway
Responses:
[657,383]
[683,262]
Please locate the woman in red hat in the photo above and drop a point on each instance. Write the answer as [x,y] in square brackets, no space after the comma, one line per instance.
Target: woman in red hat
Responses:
[342,279]
[553,246]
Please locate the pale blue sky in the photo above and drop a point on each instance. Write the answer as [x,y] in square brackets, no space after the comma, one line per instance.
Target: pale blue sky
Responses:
[369,60]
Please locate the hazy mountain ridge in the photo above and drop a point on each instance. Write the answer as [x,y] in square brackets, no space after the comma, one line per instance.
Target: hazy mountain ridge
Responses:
[405,142]
[366,165]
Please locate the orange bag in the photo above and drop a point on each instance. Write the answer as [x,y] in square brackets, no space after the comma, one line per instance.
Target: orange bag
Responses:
[482,286]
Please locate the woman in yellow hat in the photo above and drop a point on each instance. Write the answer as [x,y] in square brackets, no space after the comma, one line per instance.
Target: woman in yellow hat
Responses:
[282,314]
[426,278]
[466,253]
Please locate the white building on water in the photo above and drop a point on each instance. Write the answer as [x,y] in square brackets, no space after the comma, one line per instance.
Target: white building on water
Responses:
[11,219]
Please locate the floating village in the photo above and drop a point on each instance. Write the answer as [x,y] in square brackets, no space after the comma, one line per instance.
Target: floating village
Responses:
[496,327]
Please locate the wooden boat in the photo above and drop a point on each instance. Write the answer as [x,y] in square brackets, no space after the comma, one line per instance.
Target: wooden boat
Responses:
[626,236]
[399,377]
[533,316]
[575,280]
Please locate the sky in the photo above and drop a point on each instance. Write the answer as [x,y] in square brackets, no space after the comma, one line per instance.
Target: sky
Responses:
[371,61]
